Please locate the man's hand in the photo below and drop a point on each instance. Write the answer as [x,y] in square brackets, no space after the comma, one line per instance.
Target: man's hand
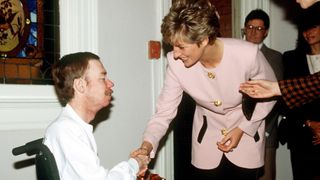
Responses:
[143,162]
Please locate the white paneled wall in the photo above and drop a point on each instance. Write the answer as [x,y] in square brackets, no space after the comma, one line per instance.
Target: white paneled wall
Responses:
[79,26]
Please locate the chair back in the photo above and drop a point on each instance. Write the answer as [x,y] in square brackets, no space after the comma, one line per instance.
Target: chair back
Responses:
[46,167]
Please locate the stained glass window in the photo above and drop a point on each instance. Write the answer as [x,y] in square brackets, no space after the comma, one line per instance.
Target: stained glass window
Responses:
[29,36]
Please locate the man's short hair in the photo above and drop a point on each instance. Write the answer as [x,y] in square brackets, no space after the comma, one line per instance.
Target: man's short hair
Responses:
[258,14]
[67,69]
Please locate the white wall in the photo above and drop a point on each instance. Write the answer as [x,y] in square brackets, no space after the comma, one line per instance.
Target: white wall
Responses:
[283,34]
[125,27]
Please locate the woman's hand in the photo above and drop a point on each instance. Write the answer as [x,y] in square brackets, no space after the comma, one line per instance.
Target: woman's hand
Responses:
[260,88]
[142,155]
[231,140]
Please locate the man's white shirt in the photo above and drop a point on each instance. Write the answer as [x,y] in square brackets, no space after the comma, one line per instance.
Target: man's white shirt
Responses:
[73,145]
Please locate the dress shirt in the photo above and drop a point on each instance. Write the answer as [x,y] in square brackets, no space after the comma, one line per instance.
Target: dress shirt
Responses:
[313,63]
[72,143]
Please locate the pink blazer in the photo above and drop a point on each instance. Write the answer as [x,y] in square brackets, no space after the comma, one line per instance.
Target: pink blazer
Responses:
[219,101]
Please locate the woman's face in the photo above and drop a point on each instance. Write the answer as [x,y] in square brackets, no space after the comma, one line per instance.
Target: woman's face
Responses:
[306,3]
[312,35]
[188,53]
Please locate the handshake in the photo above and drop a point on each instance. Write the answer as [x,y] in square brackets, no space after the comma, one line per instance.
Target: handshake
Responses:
[142,156]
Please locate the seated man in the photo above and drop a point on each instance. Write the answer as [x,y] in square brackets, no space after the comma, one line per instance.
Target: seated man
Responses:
[81,82]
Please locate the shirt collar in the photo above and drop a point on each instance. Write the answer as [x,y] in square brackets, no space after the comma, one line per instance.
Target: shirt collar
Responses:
[78,119]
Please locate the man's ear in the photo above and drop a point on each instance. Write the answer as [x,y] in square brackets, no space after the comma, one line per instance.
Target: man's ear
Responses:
[243,33]
[79,85]
[266,33]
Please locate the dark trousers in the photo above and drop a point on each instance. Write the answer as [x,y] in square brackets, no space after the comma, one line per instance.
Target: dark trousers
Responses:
[226,171]
[305,163]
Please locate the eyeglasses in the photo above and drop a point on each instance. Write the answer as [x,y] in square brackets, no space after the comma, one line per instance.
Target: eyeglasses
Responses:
[257,28]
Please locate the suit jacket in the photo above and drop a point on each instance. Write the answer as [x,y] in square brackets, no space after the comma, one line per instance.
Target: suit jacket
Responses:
[218,105]
[275,60]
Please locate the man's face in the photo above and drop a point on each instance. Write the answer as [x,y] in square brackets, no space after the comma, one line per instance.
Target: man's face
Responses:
[255,31]
[98,87]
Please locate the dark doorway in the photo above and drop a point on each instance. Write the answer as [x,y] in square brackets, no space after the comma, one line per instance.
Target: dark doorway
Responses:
[182,138]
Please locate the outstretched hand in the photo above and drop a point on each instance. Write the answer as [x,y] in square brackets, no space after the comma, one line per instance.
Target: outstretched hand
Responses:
[143,161]
[260,88]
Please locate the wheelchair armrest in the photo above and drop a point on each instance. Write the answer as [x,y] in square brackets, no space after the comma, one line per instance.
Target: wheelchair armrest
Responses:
[29,148]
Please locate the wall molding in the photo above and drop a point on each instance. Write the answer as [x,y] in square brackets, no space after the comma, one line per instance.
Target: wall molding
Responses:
[165,160]
[36,106]
[79,26]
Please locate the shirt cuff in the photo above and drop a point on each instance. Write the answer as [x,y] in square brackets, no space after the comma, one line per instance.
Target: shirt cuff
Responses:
[134,165]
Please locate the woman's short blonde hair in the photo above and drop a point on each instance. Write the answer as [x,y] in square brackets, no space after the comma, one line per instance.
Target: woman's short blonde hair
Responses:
[191,21]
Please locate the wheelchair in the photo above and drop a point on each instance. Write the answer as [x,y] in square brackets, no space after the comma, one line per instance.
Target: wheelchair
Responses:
[46,167]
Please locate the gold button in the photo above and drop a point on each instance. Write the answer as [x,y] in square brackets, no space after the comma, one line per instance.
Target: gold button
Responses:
[224,131]
[217,103]
[28,21]
[211,75]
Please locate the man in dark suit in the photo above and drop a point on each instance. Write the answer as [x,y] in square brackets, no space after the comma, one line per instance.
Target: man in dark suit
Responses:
[256,29]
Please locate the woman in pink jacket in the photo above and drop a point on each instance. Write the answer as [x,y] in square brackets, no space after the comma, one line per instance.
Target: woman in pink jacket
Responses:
[225,145]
